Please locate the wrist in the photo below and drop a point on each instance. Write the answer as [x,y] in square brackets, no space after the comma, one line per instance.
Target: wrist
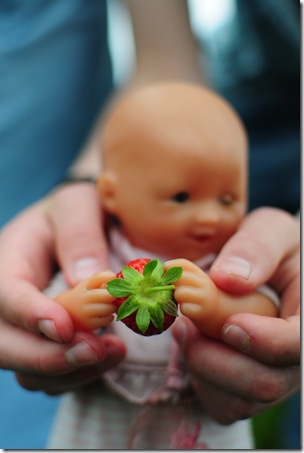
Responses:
[78,180]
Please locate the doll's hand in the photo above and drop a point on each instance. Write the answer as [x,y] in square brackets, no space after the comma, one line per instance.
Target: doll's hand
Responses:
[195,292]
[259,365]
[89,303]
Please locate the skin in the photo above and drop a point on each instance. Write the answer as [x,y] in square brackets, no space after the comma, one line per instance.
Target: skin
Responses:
[76,241]
[161,149]
[264,362]
[42,364]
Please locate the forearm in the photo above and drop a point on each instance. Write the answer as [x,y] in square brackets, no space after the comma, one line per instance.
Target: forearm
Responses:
[164,43]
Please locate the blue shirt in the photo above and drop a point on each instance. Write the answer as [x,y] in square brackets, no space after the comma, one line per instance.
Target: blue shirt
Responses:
[55,76]
[254,61]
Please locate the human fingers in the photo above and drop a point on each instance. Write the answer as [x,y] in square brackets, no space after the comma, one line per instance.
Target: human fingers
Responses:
[265,238]
[84,374]
[57,385]
[232,371]
[229,408]
[25,268]
[24,305]
[24,352]
[75,213]
[273,341]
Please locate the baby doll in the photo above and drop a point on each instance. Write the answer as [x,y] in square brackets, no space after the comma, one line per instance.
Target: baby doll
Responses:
[173,187]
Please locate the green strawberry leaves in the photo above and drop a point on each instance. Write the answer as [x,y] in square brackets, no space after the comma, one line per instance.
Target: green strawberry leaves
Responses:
[131,275]
[119,287]
[149,294]
[154,268]
[127,308]
[173,274]
[143,318]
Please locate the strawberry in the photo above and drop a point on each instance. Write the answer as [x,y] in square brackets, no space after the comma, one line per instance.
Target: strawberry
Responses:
[145,300]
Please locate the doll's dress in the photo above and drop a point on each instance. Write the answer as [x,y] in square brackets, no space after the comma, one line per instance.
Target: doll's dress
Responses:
[112,404]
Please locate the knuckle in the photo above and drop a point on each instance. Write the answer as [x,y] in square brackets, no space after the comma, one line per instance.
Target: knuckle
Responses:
[43,365]
[269,386]
[235,409]
[26,382]
[49,364]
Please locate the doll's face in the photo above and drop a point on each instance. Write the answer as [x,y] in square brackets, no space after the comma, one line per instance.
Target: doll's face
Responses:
[179,188]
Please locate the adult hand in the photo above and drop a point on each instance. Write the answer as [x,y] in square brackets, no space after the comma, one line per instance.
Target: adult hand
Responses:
[66,226]
[258,363]
[75,215]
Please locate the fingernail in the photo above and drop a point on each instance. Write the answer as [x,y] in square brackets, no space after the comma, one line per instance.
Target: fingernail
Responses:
[47,328]
[234,265]
[81,354]
[85,267]
[235,336]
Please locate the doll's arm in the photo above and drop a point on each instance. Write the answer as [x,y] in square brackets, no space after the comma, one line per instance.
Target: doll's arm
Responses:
[207,306]
[89,303]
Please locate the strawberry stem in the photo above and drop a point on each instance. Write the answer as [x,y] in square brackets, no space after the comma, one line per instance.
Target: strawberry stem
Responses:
[147,291]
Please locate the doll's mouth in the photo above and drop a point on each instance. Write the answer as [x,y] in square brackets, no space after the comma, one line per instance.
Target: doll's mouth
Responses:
[203,237]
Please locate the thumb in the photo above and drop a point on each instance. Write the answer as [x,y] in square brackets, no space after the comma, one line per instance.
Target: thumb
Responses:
[252,255]
[80,244]
[274,341]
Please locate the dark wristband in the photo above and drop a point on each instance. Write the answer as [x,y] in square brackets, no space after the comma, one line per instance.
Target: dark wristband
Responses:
[76,180]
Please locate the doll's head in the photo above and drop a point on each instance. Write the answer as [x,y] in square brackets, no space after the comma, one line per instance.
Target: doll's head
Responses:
[174,158]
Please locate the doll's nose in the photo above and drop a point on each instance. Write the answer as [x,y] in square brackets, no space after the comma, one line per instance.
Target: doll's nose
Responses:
[207,216]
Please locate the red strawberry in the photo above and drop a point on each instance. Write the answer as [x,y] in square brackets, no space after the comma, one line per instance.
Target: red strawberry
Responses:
[145,299]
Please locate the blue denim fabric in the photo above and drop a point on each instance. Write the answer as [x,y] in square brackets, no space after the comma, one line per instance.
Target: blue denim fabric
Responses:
[55,75]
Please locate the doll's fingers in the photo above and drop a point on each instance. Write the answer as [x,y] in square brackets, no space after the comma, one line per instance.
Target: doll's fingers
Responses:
[98,309]
[99,321]
[100,279]
[195,280]
[186,265]
[99,296]
[194,303]
[186,294]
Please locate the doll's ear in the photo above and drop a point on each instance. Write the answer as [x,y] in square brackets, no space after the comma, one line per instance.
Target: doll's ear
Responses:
[106,188]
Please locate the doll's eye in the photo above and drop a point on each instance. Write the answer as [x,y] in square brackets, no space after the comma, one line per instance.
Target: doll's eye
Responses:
[227,199]
[180,197]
